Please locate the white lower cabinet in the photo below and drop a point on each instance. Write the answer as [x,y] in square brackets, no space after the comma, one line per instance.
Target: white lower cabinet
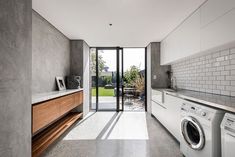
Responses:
[159,112]
[169,114]
[173,105]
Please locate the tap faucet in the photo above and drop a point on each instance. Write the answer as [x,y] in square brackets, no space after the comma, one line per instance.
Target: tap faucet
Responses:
[173,83]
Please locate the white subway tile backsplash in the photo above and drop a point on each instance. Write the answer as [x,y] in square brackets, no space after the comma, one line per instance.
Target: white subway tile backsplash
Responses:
[232,51]
[219,59]
[225,92]
[232,93]
[224,73]
[224,53]
[225,62]
[215,55]
[232,72]
[232,56]
[211,73]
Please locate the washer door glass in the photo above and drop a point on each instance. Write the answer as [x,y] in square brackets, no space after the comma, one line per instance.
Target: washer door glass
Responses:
[193,133]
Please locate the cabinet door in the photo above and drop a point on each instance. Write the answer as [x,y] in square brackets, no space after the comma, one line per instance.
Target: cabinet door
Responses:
[173,105]
[189,36]
[45,113]
[66,103]
[214,9]
[159,112]
[219,32]
[183,41]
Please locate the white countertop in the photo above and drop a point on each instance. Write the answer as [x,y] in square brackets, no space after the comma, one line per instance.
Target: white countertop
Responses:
[226,103]
[40,97]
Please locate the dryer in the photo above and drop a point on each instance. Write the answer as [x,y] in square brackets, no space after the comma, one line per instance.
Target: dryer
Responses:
[200,130]
[228,135]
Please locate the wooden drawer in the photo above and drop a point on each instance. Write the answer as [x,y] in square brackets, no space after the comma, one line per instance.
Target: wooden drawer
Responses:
[66,104]
[78,98]
[44,113]
[47,112]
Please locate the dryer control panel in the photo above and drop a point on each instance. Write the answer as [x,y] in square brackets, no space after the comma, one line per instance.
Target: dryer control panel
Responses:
[229,122]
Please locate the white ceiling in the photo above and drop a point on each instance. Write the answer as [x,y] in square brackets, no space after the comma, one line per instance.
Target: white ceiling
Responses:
[136,23]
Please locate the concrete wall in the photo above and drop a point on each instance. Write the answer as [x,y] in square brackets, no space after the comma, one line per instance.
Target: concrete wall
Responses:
[80,65]
[159,77]
[76,52]
[15,77]
[51,55]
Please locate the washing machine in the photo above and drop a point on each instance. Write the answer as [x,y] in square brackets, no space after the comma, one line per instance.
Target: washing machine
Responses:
[228,135]
[200,130]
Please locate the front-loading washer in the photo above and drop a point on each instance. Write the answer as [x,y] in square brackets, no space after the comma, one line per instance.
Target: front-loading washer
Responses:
[200,130]
[228,135]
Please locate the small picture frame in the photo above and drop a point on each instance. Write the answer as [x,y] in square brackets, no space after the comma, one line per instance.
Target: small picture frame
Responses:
[60,83]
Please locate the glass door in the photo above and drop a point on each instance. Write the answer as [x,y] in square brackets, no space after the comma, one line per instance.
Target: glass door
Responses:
[121,80]
[107,84]
[118,79]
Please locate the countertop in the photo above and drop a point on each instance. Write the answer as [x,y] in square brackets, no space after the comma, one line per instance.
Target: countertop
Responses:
[36,98]
[226,103]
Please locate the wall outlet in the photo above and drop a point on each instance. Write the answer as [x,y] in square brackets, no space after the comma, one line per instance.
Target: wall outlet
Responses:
[154,77]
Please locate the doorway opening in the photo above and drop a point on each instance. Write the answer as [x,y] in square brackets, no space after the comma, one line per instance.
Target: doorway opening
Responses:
[118,79]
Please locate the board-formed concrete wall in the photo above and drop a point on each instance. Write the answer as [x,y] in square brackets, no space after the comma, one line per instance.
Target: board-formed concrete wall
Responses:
[51,55]
[15,77]
[80,65]
[161,79]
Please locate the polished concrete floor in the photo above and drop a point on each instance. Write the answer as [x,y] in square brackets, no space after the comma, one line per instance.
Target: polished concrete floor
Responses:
[111,134]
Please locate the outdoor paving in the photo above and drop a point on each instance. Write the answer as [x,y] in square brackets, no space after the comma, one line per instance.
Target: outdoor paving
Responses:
[109,103]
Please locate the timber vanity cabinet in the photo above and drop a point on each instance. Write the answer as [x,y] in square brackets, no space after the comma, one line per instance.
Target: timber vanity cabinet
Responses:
[52,116]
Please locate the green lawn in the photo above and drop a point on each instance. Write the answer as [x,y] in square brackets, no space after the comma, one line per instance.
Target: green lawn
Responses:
[103,92]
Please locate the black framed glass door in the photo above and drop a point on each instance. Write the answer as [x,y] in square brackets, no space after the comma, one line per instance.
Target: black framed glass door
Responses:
[108,78]
[118,79]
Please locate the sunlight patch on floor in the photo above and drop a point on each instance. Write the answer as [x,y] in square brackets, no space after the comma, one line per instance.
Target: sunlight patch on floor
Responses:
[90,127]
[110,126]
[129,126]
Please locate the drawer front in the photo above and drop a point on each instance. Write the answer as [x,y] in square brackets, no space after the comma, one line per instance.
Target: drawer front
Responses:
[66,104]
[44,113]
[47,112]
[78,98]
[158,111]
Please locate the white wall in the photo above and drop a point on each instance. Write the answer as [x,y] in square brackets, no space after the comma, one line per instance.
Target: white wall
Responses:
[210,28]
[86,79]
[149,89]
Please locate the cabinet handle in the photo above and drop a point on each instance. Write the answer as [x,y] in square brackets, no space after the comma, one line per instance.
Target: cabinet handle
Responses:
[159,104]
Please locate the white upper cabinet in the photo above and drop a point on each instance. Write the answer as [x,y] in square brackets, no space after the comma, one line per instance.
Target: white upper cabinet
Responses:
[182,42]
[211,26]
[218,33]
[214,9]
[217,23]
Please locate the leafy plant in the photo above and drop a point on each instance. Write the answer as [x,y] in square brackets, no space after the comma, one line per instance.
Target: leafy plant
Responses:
[139,84]
[101,63]
[131,75]
[107,79]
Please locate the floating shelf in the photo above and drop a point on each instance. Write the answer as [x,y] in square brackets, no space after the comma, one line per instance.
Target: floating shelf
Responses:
[45,138]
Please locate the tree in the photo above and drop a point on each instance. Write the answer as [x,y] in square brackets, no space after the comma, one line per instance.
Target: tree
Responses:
[131,75]
[101,63]
[107,79]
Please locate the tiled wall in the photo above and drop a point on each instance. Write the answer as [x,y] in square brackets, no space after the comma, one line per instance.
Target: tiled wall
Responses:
[211,73]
